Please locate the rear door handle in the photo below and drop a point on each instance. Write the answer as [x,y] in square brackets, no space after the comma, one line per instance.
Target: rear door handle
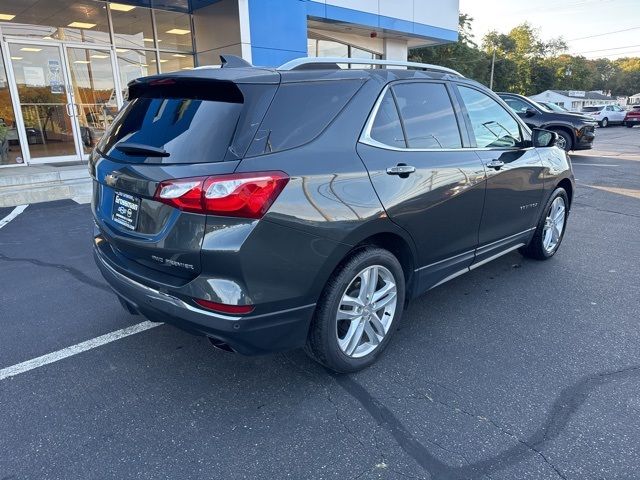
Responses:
[402,170]
[495,164]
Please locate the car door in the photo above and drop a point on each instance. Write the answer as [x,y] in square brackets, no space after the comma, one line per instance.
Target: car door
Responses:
[515,179]
[428,183]
[620,113]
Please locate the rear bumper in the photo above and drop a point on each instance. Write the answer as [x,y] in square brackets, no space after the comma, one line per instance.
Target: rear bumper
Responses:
[248,334]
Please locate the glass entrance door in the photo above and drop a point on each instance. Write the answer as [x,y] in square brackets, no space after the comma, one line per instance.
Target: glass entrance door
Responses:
[67,96]
[45,101]
[93,89]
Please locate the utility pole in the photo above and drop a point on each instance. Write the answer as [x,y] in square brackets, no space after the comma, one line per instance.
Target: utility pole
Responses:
[493,64]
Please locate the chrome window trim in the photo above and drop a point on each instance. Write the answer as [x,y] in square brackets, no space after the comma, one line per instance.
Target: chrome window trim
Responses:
[365,136]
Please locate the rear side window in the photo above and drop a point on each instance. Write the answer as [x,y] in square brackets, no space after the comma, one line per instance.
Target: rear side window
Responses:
[427,115]
[300,112]
[386,126]
[492,125]
[189,128]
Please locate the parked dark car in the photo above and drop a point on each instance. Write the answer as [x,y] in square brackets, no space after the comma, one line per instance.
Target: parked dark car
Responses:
[271,209]
[633,117]
[576,131]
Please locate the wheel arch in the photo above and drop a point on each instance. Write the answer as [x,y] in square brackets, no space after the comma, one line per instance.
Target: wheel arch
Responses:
[565,128]
[388,236]
[568,187]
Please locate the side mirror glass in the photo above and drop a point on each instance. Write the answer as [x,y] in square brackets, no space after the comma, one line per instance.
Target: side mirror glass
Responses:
[544,138]
[530,112]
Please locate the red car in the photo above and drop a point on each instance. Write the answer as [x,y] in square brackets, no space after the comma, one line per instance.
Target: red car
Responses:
[633,117]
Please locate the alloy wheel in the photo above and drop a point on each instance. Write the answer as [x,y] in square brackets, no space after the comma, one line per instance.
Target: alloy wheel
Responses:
[366,310]
[554,225]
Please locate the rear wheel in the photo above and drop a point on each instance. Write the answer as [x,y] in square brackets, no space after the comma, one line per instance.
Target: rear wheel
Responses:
[629,125]
[358,311]
[550,229]
[564,140]
[604,123]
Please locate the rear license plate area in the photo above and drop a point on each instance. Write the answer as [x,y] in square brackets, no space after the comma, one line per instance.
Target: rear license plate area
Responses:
[125,210]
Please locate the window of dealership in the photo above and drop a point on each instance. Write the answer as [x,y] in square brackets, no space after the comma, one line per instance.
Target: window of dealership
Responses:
[64,67]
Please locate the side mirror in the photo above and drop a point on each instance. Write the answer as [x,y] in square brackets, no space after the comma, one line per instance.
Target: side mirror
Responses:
[530,112]
[544,138]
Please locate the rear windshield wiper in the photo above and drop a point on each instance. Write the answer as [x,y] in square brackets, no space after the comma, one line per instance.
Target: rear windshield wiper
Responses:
[141,149]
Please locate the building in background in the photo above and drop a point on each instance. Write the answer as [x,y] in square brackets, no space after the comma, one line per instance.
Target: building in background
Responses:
[66,63]
[575,100]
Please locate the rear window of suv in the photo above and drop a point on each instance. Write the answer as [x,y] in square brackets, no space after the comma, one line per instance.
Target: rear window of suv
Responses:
[188,126]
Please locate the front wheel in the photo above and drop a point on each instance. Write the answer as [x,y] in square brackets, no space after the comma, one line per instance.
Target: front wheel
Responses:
[550,229]
[358,311]
[629,125]
[564,140]
[604,123]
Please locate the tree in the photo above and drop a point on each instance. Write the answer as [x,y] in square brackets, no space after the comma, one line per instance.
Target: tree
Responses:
[463,55]
[527,64]
[523,49]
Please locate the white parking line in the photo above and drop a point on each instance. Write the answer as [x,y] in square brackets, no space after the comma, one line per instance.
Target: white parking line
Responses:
[75,349]
[594,164]
[14,213]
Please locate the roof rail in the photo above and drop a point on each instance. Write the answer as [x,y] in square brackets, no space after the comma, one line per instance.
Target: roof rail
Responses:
[301,62]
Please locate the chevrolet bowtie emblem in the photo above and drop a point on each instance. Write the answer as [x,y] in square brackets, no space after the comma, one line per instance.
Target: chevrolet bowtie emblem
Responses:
[110,179]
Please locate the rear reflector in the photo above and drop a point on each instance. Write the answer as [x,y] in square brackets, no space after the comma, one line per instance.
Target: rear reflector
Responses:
[247,195]
[223,307]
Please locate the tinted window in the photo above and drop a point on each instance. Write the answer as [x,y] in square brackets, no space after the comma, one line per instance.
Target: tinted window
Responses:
[516,104]
[491,123]
[300,112]
[386,127]
[427,115]
[191,129]
[591,109]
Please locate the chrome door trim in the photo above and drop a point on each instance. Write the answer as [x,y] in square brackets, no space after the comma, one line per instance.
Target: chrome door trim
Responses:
[448,259]
[505,238]
[493,257]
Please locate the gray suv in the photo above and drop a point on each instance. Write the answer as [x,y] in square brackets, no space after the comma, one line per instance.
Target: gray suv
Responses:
[304,206]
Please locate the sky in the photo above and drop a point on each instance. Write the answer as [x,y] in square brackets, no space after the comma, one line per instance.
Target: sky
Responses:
[571,19]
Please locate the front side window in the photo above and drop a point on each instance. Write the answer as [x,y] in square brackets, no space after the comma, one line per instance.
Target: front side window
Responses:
[516,104]
[492,125]
[427,115]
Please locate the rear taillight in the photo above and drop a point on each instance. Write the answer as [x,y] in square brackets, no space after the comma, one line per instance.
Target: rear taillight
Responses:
[247,195]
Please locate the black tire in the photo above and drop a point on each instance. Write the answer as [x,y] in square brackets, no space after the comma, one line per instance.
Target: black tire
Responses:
[568,141]
[322,342]
[604,123]
[629,125]
[536,249]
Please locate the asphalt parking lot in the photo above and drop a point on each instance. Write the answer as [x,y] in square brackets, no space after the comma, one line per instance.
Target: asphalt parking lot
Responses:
[518,370]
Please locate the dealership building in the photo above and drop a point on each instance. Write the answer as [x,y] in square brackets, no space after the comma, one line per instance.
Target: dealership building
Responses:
[65,64]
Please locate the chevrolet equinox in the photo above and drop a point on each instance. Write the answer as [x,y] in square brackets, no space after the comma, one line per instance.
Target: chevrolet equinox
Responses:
[304,206]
